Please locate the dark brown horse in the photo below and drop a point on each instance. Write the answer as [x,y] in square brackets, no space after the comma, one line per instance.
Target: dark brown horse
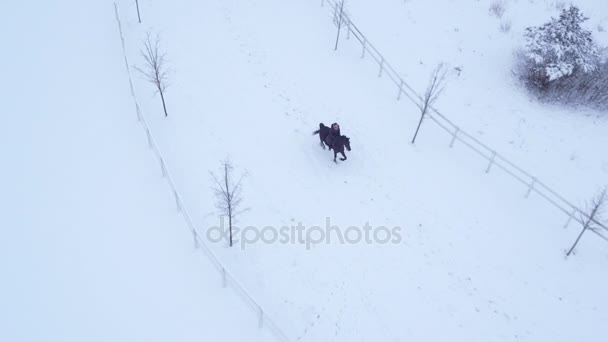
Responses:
[337,143]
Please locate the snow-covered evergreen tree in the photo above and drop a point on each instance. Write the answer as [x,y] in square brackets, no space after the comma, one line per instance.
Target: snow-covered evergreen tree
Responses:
[561,47]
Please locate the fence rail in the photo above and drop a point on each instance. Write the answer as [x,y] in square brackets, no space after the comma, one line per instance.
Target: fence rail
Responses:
[227,279]
[494,158]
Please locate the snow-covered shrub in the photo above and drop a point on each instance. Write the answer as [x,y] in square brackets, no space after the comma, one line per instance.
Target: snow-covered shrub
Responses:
[561,62]
[588,89]
[498,8]
[561,47]
[505,26]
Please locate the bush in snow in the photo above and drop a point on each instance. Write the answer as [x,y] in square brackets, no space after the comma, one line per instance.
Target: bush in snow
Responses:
[561,60]
[561,46]
[498,8]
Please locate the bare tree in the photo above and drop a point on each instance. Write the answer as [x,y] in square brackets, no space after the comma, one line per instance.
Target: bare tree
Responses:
[155,69]
[339,19]
[228,195]
[433,90]
[596,208]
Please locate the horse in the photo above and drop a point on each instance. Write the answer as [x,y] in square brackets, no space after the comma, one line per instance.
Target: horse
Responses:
[337,144]
[323,133]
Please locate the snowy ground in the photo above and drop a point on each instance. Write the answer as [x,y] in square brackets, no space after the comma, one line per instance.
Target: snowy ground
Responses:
[484,98]
[92,248]
[251,80]
[96,251]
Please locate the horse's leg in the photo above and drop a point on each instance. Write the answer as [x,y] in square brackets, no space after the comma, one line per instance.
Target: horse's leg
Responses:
[328,143]
[335,155]
[343,155]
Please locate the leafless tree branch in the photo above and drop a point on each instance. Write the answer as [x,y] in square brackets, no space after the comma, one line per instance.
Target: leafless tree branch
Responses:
[596,208]
[155,70]
[433,91]
[339,18]
[228,194]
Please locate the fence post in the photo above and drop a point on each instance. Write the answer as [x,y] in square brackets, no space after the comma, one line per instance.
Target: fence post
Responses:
[400,90]
[261,319]
[454,137]
[570,217]
[491,161]
[531,187]
[363,50]
[381,66]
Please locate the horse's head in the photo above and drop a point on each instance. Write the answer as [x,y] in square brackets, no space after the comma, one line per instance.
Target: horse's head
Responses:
[346,142]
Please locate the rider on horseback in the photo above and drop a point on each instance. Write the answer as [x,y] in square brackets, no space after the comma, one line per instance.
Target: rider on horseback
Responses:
[332,137]
[334,132]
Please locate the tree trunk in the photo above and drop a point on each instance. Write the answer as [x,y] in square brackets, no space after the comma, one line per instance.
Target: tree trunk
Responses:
[229,200]
[418,128]
[593,212]
[337,38]
[137,5]
[339,24]
[577,239]
[162,97]
[230,224]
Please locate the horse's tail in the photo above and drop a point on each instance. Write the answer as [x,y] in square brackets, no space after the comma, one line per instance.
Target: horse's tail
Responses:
[321,125]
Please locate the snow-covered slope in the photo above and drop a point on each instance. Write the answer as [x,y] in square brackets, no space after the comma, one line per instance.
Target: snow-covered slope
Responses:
[94,250]
[556,144]
[251,80]
[91,248]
